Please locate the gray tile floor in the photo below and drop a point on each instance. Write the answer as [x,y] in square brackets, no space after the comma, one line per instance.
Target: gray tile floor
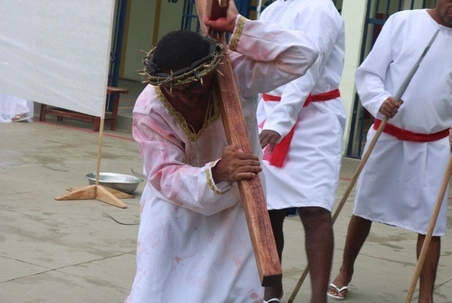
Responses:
[67,251]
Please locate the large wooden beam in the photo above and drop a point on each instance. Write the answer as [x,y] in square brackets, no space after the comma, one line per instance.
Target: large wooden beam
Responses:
[251,191]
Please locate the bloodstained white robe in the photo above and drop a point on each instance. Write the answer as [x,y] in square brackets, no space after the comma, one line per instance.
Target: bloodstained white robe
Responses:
[310,173]
[193,241]
[401,180]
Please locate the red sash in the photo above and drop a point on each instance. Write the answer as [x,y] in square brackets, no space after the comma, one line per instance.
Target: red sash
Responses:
[277,157]
[406,135]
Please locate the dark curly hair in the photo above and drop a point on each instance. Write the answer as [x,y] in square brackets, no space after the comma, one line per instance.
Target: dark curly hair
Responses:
[179,49]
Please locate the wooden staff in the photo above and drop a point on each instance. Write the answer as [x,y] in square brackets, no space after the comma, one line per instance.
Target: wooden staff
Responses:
[251,191]
[428,236]
[366,155]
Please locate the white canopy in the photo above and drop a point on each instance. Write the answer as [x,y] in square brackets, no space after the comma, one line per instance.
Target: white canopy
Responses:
[57,52]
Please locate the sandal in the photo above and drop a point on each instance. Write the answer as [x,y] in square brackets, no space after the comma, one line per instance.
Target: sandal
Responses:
[338,290]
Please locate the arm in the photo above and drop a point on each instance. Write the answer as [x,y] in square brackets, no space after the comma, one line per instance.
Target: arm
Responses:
[264,56]
[262,48]
[235,165]
[371,74]
[206,189]
[326,31]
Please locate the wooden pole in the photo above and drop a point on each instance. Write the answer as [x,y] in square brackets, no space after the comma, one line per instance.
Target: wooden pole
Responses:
[99,148]
[366,155]
[344,198]
[95,191]
[431,227]
[155,34]
[251,191]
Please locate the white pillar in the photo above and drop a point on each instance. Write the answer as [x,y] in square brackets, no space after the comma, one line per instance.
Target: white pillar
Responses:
[354,13]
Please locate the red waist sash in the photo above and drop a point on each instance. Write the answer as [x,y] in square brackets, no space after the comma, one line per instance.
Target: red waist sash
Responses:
[406,135]
[277,157]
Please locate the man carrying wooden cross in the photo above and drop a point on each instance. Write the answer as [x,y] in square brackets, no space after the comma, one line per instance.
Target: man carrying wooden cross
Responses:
[193,241]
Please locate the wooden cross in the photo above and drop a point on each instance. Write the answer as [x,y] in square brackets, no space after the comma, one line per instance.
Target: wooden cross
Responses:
[251,191]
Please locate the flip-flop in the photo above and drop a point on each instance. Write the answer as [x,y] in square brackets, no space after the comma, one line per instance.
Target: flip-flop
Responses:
[339,291]
[22,119]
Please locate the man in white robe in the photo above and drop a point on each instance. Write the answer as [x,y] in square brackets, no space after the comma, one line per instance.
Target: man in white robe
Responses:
[302,126]
[193,241]
[402,178]
[15,109]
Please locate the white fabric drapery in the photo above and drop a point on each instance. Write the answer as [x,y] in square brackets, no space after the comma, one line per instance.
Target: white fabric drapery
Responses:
[15,109]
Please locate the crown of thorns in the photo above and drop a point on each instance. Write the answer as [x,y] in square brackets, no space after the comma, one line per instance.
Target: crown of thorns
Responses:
[154,76]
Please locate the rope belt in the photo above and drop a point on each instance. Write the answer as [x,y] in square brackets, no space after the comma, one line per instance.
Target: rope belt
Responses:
[406,135]
[277,157]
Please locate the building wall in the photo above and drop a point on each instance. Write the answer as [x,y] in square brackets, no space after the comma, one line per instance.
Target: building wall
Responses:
[353,12]
[148,21]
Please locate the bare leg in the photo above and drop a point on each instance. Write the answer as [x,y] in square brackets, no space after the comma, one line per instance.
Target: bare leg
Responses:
[277,219]
[358,230]
[319,242]
[428,272]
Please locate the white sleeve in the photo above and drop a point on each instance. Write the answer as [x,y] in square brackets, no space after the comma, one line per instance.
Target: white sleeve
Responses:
[264,56]
[324,29]
[169,174]
[370,77]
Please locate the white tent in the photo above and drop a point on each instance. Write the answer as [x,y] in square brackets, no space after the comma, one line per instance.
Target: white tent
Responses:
[57,53]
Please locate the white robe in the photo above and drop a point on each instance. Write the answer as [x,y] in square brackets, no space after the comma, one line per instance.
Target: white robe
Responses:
[400,182]
[193,241]
[310,173]
[15,108]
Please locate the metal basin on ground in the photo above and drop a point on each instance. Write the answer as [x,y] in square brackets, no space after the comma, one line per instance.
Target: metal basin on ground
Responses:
[121,182]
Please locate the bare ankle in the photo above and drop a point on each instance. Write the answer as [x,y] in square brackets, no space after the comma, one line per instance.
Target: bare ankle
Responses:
[344,277]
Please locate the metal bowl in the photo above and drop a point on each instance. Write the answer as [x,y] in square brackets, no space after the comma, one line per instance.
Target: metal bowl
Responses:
[121,182]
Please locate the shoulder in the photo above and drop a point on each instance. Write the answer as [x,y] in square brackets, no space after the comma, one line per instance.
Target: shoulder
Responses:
[268,8]
[320,9]
[406,21]
[146,101]
[407,15]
